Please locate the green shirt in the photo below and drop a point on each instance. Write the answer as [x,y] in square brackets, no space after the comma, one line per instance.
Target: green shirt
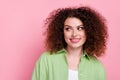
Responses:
[55,67]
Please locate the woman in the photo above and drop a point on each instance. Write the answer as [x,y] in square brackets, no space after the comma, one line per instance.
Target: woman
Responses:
[75,38]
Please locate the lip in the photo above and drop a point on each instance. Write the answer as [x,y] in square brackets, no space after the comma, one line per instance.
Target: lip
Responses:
[75,40]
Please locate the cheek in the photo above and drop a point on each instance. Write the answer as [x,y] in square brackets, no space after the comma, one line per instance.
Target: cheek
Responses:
[66,35]
[85,38]
[83,34]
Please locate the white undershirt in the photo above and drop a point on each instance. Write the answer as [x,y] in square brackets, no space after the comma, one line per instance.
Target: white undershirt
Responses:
[73,75]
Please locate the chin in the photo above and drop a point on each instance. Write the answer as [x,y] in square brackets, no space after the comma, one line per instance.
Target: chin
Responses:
[75,46]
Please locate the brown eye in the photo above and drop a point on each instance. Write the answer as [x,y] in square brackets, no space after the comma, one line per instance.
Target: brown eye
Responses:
[67,29]
[80,28]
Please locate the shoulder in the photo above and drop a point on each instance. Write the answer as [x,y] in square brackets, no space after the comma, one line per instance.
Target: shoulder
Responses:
[44,56]
[93,60]
[98,64]
[42,60]
[47,57]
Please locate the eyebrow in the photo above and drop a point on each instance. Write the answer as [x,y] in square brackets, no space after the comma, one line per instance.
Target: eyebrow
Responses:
[71,26]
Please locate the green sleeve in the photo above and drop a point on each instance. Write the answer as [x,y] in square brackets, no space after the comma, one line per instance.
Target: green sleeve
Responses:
[102,72]
[40,71]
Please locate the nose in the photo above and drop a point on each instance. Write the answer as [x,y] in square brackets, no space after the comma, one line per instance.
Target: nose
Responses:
[75,33]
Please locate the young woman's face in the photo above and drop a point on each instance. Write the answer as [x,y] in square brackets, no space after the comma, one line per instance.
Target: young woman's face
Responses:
[74,33]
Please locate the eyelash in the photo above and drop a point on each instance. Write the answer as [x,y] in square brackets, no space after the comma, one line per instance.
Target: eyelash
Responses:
[67,29]
[79,28]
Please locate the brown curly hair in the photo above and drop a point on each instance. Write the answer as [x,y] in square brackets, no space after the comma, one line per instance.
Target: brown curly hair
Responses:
[95,28]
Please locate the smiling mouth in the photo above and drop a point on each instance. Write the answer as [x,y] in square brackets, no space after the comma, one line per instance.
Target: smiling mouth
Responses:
[75,40]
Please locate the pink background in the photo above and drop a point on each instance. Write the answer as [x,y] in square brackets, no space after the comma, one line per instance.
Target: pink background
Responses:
[21,38]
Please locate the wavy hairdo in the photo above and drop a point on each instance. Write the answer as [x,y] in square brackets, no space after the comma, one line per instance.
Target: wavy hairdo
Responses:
[95,28]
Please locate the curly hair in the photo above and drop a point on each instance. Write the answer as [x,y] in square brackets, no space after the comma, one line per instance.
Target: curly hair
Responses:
[95,29]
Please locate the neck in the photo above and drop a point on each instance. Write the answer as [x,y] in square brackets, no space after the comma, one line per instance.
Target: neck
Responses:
[75,52]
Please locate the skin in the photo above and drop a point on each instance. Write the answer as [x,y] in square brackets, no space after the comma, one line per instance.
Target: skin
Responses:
[75,37]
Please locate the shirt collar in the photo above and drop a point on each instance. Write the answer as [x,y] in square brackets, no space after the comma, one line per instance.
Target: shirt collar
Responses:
[63,51]
[85,54]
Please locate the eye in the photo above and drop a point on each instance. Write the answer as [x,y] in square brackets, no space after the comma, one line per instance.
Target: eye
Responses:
[80,28]
[67,28]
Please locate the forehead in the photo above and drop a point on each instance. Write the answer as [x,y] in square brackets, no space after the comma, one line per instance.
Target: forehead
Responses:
[72,21]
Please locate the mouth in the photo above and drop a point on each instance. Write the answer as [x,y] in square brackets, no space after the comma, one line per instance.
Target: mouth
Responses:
[75,40]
